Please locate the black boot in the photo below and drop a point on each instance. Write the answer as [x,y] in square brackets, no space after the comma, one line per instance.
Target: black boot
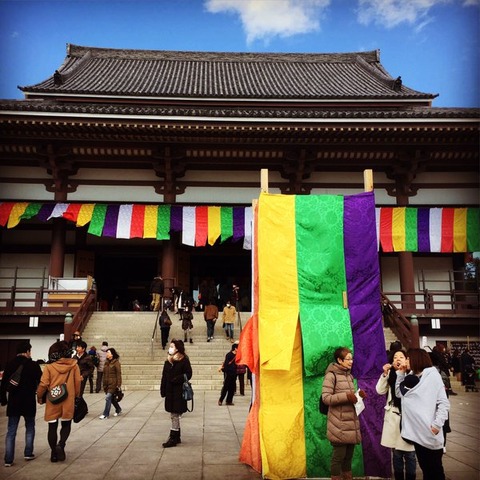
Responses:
[173,439]
[178,436]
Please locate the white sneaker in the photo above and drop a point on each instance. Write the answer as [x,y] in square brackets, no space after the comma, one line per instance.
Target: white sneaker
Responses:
[116,414]
[102,417]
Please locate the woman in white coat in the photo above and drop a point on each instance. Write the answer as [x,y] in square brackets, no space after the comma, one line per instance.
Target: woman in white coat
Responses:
[403,453]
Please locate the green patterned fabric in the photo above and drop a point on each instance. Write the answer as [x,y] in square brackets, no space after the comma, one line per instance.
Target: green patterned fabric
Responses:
[163,222]
[98,219]
[324,320]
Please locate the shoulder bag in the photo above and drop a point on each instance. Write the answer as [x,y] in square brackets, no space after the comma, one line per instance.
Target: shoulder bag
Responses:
[187,391]
[58,393]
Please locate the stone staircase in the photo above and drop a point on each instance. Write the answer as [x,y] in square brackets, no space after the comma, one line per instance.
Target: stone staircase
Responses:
[142,357]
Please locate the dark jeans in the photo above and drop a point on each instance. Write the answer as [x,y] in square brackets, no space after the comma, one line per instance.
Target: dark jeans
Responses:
[90,382]
[12,433]
[430,462]
[228,388]
[82,385]
[210,327]
[404,460]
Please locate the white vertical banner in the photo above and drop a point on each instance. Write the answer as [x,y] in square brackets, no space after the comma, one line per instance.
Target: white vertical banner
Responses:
[435,229]
[247,239]
[188,226]
[124,221]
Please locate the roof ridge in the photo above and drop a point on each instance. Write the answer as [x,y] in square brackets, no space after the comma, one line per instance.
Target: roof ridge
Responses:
[346,57]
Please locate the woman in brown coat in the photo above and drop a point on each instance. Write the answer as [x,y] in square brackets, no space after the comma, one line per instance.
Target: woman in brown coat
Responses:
[112,380]
[61,368]
[343,427]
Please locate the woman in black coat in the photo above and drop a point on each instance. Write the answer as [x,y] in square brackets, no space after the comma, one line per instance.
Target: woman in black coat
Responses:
[171,388]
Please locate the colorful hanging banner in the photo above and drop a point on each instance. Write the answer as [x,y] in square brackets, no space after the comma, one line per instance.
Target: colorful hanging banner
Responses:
[304,313]
[399,229]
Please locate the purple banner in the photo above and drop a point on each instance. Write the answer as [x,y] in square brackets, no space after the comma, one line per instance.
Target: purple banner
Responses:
[238,223]
[363,286]
[176,218]
[423,229]
[111,220]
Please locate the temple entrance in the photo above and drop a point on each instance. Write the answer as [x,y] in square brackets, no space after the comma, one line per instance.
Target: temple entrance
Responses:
[121,279]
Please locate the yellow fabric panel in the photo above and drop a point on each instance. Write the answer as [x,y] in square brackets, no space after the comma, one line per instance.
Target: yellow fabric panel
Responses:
[17,211]
[398,229]
[150,221]
[214,224]
[460,230]
[281,418]
[278,284]
[85,214]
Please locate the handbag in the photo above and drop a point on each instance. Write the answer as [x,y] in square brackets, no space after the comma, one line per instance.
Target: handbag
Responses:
[58,393]
[118,394]
[187,392]
[81,409]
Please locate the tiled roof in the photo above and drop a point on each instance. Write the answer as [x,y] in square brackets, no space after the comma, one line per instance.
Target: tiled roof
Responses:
[235,112]
[202,75]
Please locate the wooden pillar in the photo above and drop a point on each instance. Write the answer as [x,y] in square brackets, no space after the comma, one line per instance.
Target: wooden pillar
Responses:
[169,246]
[57,249]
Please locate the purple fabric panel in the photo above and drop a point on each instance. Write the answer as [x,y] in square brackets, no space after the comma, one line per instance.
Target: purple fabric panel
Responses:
[111,220]
[176,218]
[363,287]
[45,212]
[238,223]
[423,226]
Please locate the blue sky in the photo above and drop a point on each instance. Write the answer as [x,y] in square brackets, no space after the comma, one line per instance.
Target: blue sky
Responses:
[432,44]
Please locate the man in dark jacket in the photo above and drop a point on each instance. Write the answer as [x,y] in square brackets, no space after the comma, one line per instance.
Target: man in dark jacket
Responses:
[85,364]
[229,368]
[20,400]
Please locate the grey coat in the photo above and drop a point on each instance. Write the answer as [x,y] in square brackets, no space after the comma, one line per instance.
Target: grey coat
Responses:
[343,426]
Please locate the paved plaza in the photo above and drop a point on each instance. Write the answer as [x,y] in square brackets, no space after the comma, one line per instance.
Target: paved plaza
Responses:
[130,446]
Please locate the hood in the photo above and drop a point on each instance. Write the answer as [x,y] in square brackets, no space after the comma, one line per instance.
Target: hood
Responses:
[64,365]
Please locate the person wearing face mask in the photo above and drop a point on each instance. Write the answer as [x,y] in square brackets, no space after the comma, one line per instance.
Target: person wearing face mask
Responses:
[229,316]
[171,388]
[343,426]
[403,453]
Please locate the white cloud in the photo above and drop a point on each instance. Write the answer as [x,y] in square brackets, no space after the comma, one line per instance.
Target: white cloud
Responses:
[14,35]
[263,19]
[390,13]
[471,3]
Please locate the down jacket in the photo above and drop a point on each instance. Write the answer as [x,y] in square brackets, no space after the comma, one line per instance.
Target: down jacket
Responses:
[55,374]
[343,426]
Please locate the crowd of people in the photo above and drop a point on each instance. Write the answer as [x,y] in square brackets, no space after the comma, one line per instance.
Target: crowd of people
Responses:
[415,384]
[68,369]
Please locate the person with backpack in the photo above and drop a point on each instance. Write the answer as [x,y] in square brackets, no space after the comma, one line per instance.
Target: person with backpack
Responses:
[343,426]
[17,391]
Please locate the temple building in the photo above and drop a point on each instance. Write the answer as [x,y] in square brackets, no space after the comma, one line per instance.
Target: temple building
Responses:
[128,163]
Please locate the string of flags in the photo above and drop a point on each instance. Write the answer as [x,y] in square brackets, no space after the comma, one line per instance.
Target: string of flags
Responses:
[399,229]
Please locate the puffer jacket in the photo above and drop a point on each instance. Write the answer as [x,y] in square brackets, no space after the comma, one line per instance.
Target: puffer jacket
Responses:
[343,426]
[112,375]
[171,386]
[55,374]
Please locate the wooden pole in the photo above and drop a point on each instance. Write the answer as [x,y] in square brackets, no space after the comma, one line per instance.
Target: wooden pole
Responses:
[264,180]
[368,180]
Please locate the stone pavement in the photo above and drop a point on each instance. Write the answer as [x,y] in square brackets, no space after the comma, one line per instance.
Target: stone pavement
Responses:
[130,446]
